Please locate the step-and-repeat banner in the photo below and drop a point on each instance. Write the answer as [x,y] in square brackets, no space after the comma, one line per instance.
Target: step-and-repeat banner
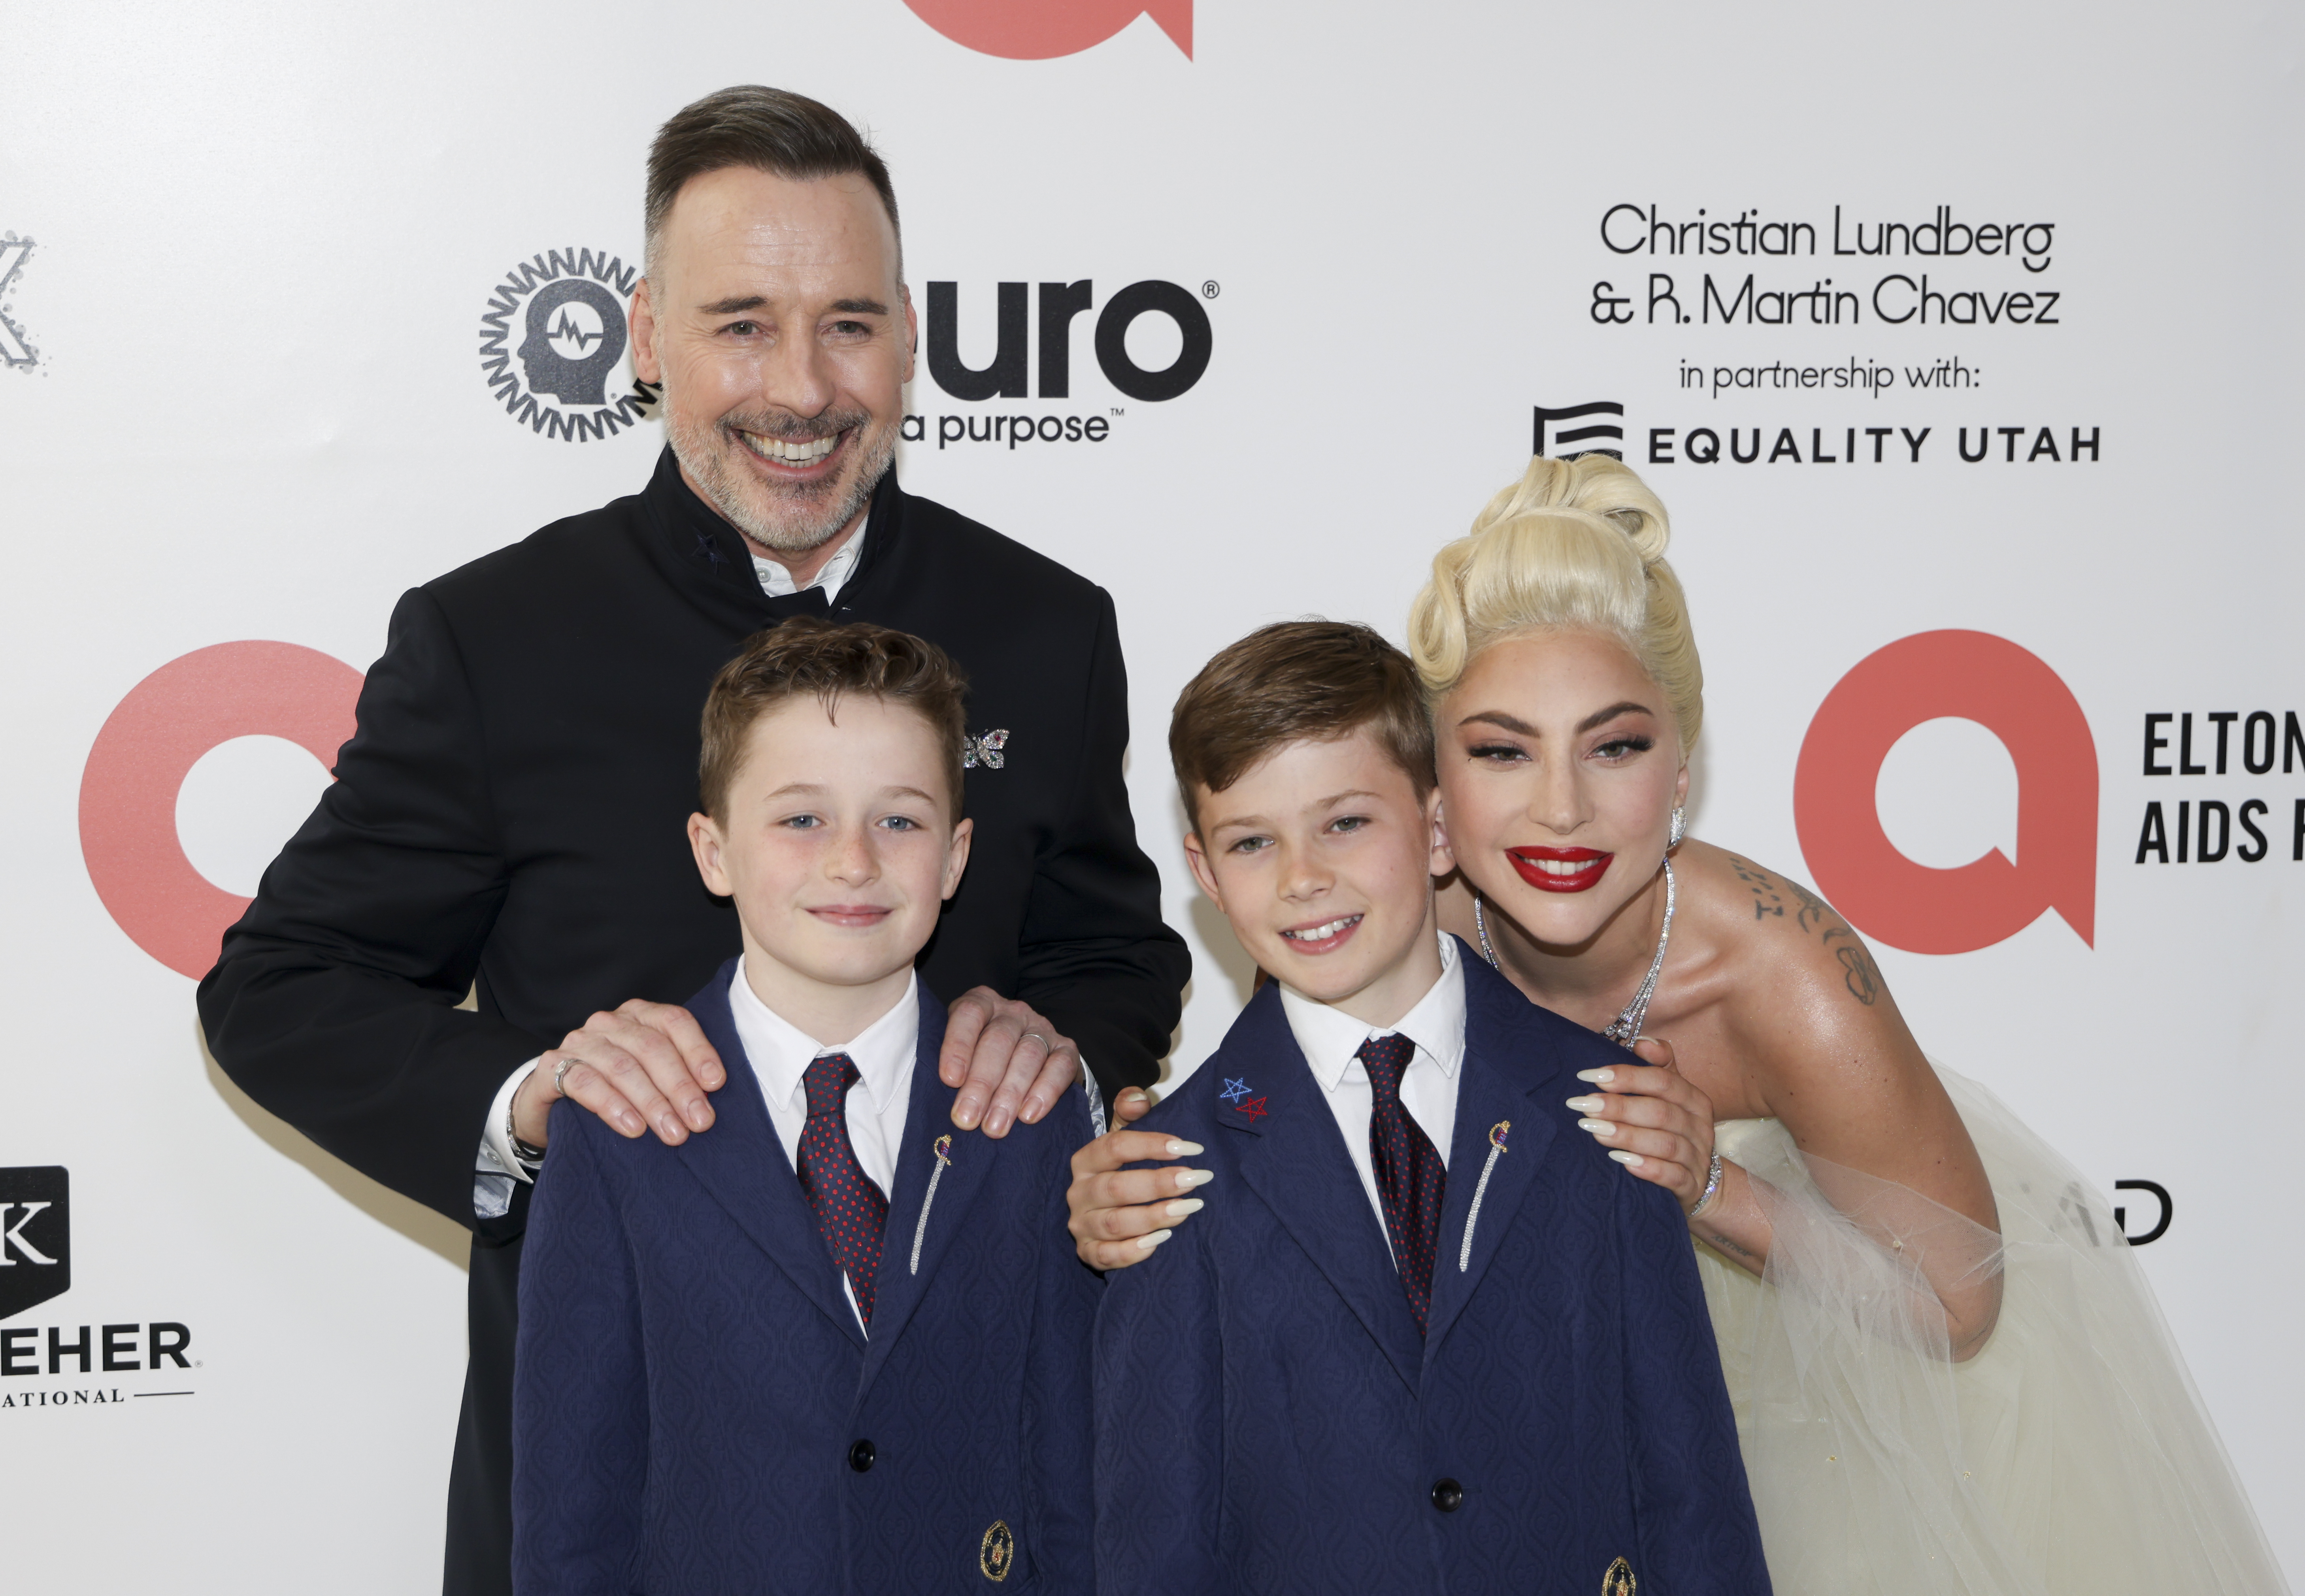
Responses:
[1961,343]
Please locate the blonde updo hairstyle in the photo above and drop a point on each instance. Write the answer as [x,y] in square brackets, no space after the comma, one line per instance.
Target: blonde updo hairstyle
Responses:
[1574,543]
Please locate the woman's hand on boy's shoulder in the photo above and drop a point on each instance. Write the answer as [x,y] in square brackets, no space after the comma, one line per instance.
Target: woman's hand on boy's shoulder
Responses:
[641,1065]
[1118,1214]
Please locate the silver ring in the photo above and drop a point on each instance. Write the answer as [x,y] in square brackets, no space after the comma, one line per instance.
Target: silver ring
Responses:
[1046,1045]
[560,1073]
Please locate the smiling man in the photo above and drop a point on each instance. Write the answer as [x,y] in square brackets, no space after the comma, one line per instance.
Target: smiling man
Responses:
[509,820]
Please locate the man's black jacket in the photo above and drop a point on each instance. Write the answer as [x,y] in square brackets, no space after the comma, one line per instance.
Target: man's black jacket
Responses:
[512,811]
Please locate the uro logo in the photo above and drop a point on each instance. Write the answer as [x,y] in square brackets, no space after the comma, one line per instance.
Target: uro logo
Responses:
[1004,377]
[15,349]
[553,339]
[128,792]
[1968,676]
[35,1237]
[1581,435]
[1039,30]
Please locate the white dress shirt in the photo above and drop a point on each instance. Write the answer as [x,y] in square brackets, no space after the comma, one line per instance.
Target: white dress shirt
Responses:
[498,1166]
[781,1053]
[1331,1041]
[776,581]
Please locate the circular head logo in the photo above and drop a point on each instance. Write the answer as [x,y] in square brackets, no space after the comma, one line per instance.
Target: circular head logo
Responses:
[552,345]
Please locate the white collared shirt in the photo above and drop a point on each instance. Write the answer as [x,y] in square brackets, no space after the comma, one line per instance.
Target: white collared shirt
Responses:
[776,579]
[1332,1042]
[781,1053]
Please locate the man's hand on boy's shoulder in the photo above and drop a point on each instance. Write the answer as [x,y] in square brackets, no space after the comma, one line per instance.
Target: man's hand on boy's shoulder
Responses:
[1008,1061]
[642,1065]
[647,1066]
[1118,1214]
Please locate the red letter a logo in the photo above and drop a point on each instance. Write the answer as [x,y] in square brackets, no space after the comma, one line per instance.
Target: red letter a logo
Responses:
[1969,675]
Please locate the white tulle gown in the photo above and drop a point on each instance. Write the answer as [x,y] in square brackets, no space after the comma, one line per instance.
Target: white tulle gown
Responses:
[2070,1457]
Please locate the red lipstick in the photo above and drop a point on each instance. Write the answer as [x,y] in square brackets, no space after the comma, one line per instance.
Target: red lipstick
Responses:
[1591,864]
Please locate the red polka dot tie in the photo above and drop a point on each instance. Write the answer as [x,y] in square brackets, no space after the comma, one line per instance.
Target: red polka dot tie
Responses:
[851,1211]
[1409,1174]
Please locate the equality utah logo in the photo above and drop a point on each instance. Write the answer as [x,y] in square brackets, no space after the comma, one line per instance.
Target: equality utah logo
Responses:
[552,344]
[1576,430]
[15,349]
[35,1237]
[1043,30]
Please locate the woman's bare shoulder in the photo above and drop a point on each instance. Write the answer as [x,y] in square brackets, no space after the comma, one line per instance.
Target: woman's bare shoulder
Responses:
[1767,924]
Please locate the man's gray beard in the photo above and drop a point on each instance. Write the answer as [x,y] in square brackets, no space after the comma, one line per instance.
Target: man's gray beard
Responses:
[803,527]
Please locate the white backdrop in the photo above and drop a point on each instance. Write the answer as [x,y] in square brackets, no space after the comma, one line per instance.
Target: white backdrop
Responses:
[248,399]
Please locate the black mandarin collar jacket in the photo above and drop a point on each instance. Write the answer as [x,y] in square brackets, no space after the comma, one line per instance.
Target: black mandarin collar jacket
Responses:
[512,808]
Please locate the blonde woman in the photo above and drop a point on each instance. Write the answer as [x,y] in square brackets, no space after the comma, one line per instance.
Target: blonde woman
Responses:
[1950,1375]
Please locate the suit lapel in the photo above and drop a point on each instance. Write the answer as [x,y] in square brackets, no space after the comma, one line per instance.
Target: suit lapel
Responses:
[957,1176]
[741,1162]
[1507,1066]
[1296,1161]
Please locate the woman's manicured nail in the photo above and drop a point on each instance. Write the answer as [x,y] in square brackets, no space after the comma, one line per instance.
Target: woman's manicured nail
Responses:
[1599,1127]
[1597,1077]
[1185,1150]
[1185,1205]
[1145,1244]
[1630,1160]
[1187,1179]
[1586,1105]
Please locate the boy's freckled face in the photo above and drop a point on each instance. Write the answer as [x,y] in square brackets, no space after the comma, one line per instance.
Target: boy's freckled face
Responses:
[1322,857]
[838,843]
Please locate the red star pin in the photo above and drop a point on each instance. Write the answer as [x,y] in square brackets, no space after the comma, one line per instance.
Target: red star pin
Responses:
[1254,1107]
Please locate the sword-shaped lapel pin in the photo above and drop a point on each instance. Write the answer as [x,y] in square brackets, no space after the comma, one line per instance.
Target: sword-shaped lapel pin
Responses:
[1497,1134]
[921,1230]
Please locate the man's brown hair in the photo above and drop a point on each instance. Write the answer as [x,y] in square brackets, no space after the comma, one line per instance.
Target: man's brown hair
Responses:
[1297,681]
[809,655]
[769,130]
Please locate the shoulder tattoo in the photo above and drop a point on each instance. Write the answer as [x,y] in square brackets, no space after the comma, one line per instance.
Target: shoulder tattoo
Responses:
[1774,895]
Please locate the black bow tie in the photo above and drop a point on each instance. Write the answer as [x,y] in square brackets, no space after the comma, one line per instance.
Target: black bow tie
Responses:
[808,601]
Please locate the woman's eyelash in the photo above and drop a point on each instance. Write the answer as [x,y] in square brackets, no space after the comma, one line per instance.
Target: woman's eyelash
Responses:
[1492,750]
[1636,744]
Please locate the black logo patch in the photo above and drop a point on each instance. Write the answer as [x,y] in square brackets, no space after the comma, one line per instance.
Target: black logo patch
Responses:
[35,1236]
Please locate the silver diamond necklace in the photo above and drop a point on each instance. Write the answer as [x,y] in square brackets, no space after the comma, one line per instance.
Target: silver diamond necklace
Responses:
[1627,1025]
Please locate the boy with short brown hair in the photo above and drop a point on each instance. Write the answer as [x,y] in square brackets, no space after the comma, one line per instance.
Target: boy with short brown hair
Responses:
[1423,1337]
[835,1344]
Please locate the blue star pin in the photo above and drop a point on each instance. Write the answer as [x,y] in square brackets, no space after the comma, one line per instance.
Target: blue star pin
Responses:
[1234,1090]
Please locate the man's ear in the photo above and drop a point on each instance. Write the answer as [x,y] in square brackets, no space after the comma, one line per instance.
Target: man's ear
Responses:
[645,365]
[1444,856]
[1197,857]
[912,329]
[955,857]
[705,841]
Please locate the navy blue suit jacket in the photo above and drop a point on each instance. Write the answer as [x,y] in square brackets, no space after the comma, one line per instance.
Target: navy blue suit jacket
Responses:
[1269,1421]
[691,1384]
